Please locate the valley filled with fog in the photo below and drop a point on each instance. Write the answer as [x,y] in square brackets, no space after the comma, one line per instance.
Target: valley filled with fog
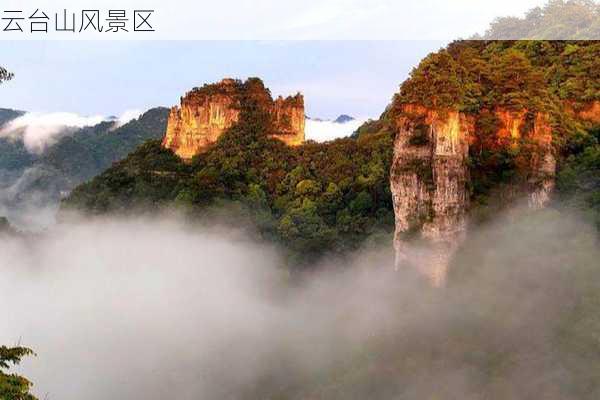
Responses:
[148,308]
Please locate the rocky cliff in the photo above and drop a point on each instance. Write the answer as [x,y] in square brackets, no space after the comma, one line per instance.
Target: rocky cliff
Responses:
[479,114]
[205,113]
[429,183]
[430,176]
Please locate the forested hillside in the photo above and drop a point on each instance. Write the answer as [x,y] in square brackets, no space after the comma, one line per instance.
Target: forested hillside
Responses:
[330,197]
[313,198]
[37,181]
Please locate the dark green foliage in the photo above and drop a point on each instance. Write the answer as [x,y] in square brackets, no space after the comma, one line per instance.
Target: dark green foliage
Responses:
[13,154]
[13,386]
[75,158]
[578,182]
[480,78]
[472,76]
[312,199]
[6,115]
[87,153]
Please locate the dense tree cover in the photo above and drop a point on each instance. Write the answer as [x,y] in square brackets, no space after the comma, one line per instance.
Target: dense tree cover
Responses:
[7,114]
[74,158]
[553,78]
[312,198]
[88,151]
[322,197]
[471,76]
[578,182]
[557,20]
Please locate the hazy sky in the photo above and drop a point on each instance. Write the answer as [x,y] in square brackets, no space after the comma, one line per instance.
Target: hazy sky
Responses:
[109,77]
[307,19]
[353,77]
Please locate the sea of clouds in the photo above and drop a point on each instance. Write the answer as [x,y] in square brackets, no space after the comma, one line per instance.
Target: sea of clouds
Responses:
[325,130]
[40,130]
[154,308]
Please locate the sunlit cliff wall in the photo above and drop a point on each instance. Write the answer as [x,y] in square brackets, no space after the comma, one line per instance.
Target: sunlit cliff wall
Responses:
[206,113]
[429,184]
[430,177]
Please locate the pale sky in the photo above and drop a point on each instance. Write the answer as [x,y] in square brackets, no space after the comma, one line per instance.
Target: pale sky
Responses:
[110,77]
[285,19]
[336,76]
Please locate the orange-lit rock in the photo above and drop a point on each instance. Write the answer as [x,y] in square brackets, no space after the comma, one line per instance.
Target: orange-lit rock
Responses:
[205,113]
[540,166]
[430,175]
[510,125]
[429,186]
[289,119]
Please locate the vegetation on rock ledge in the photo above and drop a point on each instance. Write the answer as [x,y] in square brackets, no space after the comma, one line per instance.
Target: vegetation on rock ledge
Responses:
[313,199]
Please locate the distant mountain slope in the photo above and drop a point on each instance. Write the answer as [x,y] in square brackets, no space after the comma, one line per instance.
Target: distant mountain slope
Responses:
[32,184]
[6,115]
[557,20]
[342,119]
[86,154]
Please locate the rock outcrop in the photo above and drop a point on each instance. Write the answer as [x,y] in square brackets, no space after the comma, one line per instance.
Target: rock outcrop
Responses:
[530,133]
[430,177]
[429,185]
[206,113]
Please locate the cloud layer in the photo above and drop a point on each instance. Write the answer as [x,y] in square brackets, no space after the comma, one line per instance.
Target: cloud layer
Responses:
[322,131]
[153,309]
[41,130]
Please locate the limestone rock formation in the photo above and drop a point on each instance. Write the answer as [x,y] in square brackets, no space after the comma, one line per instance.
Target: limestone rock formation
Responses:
[429,184]
[541,166]
[430,177]
[205,113]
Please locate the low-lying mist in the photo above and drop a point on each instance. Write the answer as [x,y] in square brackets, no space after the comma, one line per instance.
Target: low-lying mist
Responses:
[38,131]
[155,308]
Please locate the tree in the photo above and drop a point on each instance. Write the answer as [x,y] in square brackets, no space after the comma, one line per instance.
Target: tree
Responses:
[13,386]
[5,75]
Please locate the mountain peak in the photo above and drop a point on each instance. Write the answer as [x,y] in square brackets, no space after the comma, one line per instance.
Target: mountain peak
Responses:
[343,118]
[205,113]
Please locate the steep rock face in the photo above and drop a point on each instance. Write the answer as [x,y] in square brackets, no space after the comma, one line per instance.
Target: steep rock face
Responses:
[519,129]
[288,116]
[430,177]
[429,185]
[205,113]
[195,125]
